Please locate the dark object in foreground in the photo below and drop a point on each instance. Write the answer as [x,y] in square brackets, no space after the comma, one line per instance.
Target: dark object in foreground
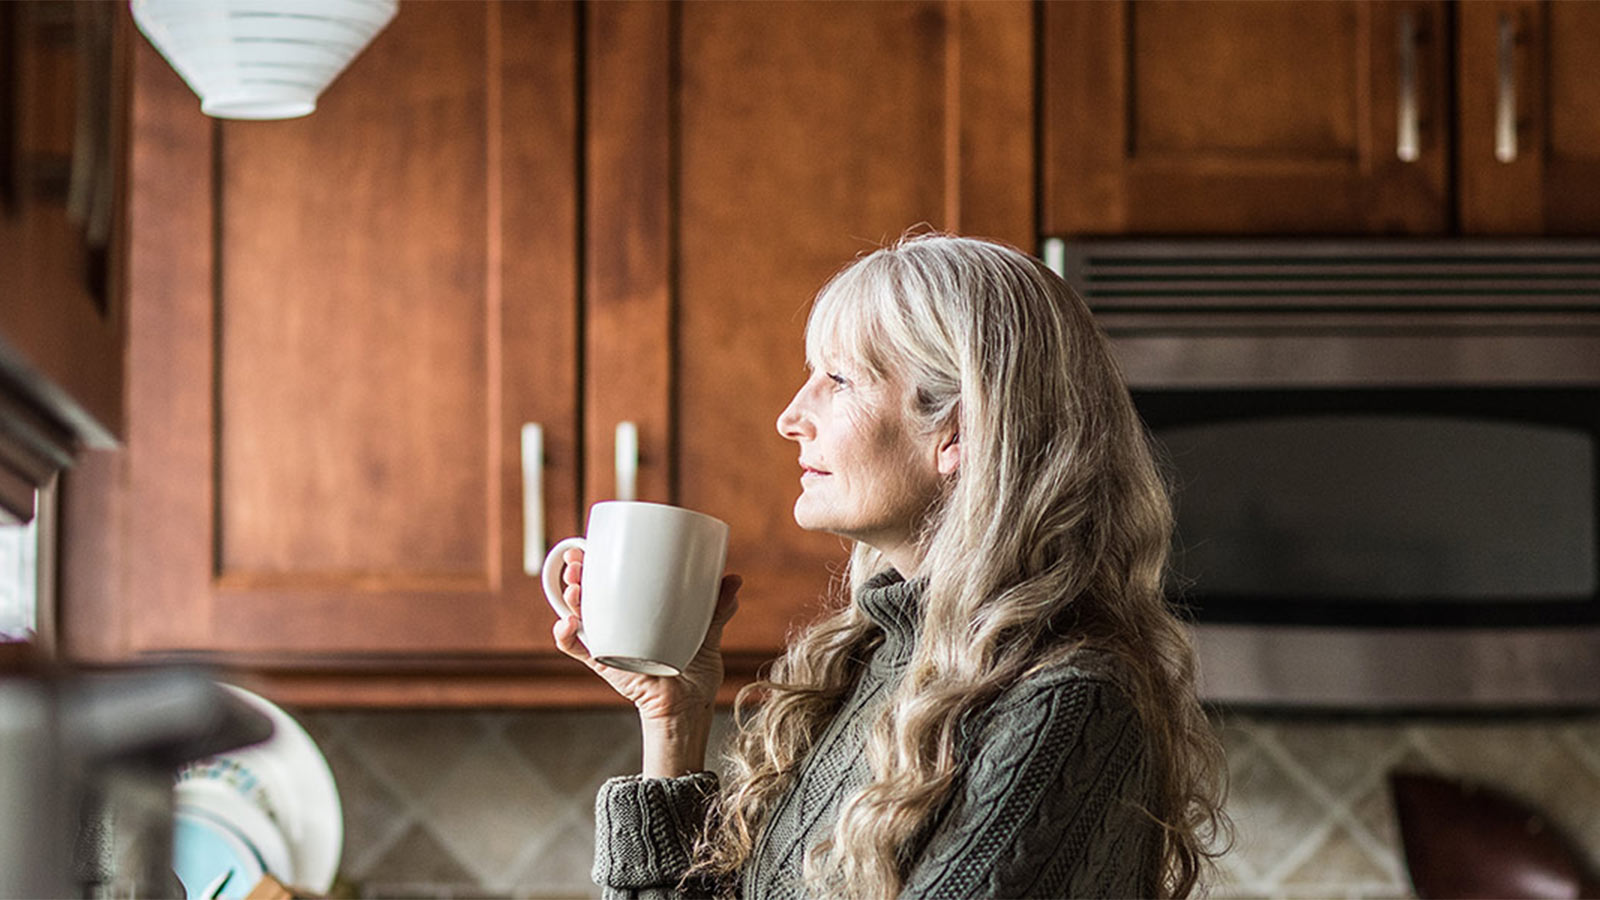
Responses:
[1465,839]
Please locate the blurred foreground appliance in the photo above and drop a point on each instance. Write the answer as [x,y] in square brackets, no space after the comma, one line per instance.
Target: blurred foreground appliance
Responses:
[66,738]
[1385,458]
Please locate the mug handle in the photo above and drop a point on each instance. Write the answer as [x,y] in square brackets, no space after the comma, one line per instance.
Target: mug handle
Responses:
[552,578]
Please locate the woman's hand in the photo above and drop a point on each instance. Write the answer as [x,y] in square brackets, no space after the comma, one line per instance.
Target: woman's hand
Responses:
[675,712]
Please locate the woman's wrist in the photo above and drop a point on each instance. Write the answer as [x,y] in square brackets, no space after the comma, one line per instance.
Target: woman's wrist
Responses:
[675,746]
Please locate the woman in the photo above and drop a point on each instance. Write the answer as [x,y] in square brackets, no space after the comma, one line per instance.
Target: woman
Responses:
[1006,707]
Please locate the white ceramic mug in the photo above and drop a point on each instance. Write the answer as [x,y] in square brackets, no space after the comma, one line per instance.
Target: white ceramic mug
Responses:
[650,579]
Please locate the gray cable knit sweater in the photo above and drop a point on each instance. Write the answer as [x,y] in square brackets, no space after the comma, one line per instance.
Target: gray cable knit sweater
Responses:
[1048,804]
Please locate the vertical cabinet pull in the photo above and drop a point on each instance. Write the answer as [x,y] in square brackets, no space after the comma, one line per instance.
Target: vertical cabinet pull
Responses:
[627,460]
[1505,107]
[532,499]
[1408,141]
[533,524]
[1053,253]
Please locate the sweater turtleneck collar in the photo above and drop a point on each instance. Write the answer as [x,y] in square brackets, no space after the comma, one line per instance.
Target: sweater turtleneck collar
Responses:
[895,605]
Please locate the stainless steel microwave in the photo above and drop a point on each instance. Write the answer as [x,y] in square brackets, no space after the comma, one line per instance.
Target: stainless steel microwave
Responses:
[1384,458]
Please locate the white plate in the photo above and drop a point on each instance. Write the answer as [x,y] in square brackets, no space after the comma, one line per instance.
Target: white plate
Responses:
[286,779]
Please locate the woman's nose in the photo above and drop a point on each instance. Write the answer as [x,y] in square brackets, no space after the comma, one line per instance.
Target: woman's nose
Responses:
[793,422]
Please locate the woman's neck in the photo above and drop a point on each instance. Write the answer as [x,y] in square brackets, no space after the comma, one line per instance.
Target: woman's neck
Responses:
[905,559]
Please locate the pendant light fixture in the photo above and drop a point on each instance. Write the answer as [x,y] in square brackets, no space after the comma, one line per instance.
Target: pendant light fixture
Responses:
[260,59]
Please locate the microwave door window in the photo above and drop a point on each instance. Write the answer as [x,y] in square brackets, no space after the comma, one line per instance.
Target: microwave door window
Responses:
[1383,508]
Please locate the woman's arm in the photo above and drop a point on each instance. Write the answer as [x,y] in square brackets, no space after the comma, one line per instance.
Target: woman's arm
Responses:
[1051,804]
[644,833]
[645,825]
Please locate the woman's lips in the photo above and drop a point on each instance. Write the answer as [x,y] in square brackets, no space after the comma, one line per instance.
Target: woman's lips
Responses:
[809,471]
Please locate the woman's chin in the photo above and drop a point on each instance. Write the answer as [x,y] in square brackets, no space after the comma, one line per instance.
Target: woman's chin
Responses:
[807,516]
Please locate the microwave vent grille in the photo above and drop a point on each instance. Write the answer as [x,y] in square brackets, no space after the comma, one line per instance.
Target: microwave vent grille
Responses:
[1153,276]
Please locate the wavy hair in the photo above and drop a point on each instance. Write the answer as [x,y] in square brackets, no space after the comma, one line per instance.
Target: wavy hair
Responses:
[1052,536]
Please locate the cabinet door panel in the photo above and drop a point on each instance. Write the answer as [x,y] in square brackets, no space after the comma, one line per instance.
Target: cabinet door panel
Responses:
[1178,117]
[1530,117]
[353,339]
[1253,90]
[1572,185]
[337,334]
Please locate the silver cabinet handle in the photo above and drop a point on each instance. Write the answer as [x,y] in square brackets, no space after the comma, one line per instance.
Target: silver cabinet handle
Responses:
[1408,143]
[532,499]
[1505,107]
[1053,253]
[627,460]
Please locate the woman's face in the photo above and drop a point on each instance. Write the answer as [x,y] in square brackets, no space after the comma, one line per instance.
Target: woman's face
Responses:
[866,472]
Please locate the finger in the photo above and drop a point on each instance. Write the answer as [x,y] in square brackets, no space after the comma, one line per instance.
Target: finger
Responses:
[572,555]
[727,605]
[572,573]
[566,634]
[573,597]
[727,597]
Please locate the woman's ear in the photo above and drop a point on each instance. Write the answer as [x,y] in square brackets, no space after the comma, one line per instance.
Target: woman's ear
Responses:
[949,456]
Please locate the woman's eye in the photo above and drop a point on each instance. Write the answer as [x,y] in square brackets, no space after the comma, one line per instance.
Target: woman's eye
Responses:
[838,380]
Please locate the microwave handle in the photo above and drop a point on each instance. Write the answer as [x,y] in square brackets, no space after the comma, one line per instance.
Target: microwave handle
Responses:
[1408,140]
[1505,104]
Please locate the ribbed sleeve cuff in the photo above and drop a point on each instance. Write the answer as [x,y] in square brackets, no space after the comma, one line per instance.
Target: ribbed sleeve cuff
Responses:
[645,828]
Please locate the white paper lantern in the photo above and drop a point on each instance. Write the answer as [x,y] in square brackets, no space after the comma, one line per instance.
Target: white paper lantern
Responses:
[260,59]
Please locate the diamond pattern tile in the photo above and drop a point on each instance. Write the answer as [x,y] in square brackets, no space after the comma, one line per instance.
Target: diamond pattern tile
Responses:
[1338,859]
[1272,814]
[1238,734]
[560,865]
[490,807]
[501,803]
[1341,756]
[1587,736]
[1374,811]
[374,815]
[1570,792]
[325,728]
[1512,755]
[576,751]
[415,749]
[416,861]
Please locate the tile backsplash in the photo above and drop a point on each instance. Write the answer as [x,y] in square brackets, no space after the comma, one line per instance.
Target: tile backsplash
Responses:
[475,804]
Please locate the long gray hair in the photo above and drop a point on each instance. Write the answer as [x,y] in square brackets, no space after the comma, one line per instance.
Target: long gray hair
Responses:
[1052,536]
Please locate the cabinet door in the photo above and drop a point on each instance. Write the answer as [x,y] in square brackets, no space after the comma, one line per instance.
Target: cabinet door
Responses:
[62,118]
[738,155]
[1173,117]
[339,326]
[1530,117]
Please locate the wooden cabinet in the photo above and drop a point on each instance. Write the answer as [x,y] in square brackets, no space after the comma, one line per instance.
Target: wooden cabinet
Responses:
[338,326]
[1243,117]
[1528,151]
[1362,118]
[504,214]
[61,132]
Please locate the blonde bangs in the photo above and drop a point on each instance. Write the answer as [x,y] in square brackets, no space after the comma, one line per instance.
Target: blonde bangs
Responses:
[846,321]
